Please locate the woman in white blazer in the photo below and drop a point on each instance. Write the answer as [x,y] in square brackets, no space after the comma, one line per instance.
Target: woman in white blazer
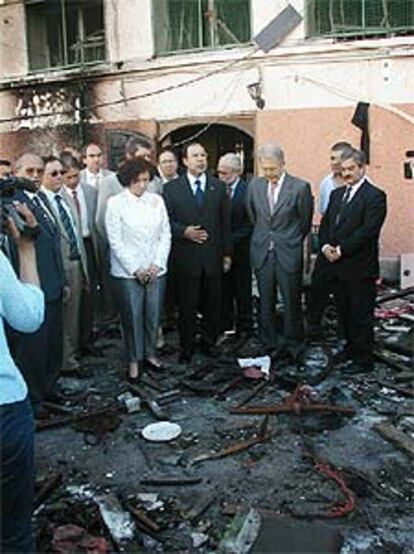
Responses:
[139,237]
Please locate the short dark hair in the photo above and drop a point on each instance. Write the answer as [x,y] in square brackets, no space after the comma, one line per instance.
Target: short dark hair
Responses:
[68,161]
[130,169]
[339,146]
[92,143]
[5,162]
[189,145]
[357,156]
[170,149]
[133,143]
[50,159]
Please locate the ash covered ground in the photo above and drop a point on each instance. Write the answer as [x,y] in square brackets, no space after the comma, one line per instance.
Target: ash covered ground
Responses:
[305,479]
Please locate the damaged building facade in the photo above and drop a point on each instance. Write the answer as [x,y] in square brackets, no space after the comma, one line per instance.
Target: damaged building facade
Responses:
[76,70]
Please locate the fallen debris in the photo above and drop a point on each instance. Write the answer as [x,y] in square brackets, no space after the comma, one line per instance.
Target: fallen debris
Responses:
[233,449]
[68,539]
[171,481]
[389,432]
[242,534]
[48,485]
[117,520]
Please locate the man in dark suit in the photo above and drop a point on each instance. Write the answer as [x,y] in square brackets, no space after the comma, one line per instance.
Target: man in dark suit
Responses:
[237,282]
[280,207]
[198,208]
[39,355]
[348,237]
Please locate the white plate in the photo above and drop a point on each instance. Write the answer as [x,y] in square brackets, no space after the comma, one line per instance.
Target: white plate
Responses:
[163,431]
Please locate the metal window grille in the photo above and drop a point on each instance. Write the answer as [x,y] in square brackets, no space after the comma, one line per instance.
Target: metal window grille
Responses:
[359,18]
[64,33]
[194,24]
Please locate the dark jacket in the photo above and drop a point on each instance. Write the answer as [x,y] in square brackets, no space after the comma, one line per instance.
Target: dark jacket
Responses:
[241,226]
[187,257]
[48,252]
[356,231]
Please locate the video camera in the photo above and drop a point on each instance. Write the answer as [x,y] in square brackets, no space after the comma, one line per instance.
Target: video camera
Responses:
[8,188]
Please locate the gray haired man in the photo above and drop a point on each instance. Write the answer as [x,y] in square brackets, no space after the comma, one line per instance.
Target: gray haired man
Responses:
[280,207]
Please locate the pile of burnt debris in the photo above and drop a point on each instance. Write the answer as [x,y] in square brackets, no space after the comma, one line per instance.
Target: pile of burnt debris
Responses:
[235,456]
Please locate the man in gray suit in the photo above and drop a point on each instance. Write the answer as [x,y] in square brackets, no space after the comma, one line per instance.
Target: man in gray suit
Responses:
[280,207]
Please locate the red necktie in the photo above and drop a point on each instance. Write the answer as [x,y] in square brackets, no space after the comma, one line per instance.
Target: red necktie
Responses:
[76,200]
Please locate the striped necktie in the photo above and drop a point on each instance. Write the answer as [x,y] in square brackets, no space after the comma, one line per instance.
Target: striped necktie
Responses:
[69,228]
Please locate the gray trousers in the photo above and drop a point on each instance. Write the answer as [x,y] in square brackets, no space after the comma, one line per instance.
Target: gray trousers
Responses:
[139,309]
[71,317]
[269,277]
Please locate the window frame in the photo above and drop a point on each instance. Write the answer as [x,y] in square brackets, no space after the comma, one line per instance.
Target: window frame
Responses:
[200,49]
[357,33]
[63,4]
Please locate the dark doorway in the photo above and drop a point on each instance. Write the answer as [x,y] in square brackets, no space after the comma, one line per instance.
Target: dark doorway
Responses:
[218,140]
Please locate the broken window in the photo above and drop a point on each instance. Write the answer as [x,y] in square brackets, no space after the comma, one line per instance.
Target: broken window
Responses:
[359,18]
[64,32]
[194,24]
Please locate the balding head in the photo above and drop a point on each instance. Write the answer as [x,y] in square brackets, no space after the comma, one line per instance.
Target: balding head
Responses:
[229,168]
[30,166]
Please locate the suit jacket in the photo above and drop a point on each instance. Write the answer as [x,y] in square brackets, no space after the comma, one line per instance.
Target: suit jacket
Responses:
[356,232]
[189,258]
[286,227]
[66,249]
[241,226]
[48,251]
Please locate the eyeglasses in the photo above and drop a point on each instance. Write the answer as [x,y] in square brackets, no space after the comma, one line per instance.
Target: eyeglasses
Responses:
[56,172]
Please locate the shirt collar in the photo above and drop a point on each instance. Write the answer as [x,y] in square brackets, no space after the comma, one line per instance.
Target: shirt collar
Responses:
[192,179]
[280,181]
[357,185]
[135,198]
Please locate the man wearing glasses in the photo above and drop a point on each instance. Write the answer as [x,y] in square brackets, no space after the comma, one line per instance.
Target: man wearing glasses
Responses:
[39,355]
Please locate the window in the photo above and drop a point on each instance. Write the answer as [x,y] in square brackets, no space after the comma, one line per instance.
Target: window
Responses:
[359,18]
[194,24]
[64,33]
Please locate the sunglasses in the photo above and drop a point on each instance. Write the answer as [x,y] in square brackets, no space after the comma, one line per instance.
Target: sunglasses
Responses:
[56,172]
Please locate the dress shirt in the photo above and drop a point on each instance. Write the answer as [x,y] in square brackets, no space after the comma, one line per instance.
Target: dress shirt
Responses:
[93,179]
[327,185]
[83,215]
[165,179]
[355,188]
[192,179]
[231,189]
[22,307]
[138,231]
[275,189]
[51,196]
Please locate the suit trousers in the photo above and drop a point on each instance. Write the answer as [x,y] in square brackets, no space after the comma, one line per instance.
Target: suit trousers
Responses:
[71,316]
[323,284]
[356,305]
[39,355]
[139,307]
[202,293]
[16,477]
[237,299]
[269,277]
[89,297]
[108,312]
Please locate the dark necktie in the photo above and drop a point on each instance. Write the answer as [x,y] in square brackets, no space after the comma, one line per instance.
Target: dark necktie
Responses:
[70,231]
[229,189]
[199,194]
[76,201]
[344,203]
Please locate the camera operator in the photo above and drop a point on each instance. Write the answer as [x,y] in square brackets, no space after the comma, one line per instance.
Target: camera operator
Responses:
[21,307]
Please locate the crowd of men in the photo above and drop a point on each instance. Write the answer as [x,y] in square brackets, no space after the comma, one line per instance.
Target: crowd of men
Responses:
[224,231]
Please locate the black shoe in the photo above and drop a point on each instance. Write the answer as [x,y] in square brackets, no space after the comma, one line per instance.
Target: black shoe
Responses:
[356,368]
[185,357]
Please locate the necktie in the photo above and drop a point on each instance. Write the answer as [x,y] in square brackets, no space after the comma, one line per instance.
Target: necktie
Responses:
[272,199]
[76,201]
[344,203]
[199,194]
[70,231]
[229,189]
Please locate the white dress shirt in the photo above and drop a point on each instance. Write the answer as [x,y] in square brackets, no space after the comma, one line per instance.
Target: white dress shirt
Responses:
[192,180]
[273,191]
[355,188]
[138,231]
[83,215]
[94,179]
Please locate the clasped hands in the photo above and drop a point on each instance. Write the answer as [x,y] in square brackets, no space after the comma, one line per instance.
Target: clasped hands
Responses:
[195,233]
[331,253]
[148,275]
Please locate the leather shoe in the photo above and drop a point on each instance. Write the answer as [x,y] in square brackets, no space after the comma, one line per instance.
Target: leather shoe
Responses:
[355,368]
[185,357]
